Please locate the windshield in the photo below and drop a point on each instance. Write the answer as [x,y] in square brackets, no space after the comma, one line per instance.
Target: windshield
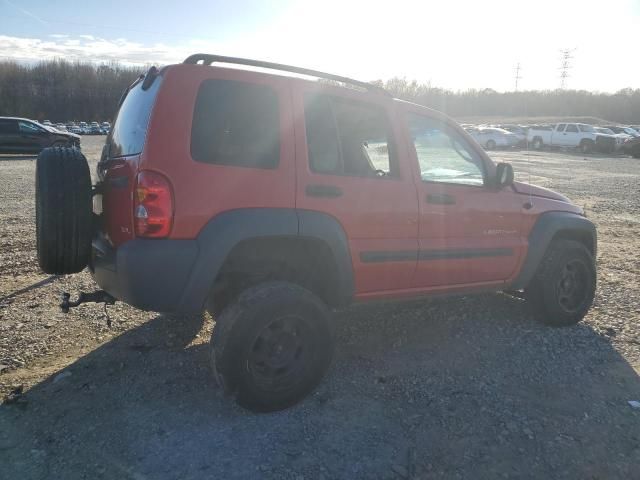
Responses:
[130,128]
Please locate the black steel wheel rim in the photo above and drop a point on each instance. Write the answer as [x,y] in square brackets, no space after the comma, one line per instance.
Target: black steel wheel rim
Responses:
[279,354]
[573,286]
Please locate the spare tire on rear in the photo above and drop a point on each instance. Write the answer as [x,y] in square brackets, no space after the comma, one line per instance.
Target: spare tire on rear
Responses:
[64,214]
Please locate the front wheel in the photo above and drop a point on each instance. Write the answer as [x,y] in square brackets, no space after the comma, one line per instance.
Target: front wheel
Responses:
[563,289]
[272,346]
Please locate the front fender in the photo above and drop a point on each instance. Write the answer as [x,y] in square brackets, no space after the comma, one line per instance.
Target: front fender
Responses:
[548,226]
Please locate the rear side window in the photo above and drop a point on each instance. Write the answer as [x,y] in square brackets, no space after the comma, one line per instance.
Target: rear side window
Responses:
[236,123]
[130,128]
[572,129]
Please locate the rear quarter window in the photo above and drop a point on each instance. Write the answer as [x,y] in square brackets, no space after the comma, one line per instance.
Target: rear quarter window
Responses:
[130,128]
[237,124]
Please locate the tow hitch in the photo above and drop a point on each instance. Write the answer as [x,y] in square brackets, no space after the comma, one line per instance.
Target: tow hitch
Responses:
[99,296]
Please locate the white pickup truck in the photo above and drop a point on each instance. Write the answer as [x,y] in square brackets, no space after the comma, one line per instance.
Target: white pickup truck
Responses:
[578,135]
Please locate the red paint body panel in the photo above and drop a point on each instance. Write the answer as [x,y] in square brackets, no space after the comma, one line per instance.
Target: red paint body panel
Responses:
[201,190]
[377,215]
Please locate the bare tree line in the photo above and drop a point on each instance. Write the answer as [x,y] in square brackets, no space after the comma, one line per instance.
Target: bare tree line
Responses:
[60,90]
[622,106]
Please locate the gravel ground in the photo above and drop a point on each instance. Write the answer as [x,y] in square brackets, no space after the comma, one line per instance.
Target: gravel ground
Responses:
[469,387]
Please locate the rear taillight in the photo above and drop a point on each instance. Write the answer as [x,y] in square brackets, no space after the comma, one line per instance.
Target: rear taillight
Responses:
[153,205]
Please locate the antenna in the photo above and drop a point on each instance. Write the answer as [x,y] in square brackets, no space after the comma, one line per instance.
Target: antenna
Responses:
[517,77]
[565,65]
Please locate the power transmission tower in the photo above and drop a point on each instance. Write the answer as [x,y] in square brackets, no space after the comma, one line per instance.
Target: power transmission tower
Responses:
[517,77]
[565,65]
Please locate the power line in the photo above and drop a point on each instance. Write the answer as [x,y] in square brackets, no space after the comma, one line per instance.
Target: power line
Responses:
[565,65]
[517,77]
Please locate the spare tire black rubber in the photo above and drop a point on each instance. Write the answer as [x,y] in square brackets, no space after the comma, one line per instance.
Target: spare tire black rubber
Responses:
[64,214]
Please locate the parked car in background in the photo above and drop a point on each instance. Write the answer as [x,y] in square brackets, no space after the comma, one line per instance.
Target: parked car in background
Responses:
[21,135]
[620,137]
[519,131]
[491,137]
[621,129]
[632,147]
[576,135]
[61,127]
[47,122]
[93,128]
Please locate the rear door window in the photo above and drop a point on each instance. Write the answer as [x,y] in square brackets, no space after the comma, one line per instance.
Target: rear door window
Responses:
[237,124]
[572,129]
[346,137]
[130,128]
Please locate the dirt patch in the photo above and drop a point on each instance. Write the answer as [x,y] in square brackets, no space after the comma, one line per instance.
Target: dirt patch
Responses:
[470,387]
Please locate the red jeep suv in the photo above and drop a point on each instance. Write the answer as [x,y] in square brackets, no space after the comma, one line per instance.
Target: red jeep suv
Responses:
[269,198]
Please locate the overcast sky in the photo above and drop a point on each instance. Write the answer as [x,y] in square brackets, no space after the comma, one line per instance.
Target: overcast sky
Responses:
[452,44]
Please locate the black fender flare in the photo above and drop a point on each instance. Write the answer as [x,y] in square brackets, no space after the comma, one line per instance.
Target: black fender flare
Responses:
[546,228]
[223,232]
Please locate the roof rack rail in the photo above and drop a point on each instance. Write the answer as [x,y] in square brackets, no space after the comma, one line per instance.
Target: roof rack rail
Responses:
[206,59]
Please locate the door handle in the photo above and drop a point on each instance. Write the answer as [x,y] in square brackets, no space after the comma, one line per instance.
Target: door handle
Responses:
[441,199]
[325,191]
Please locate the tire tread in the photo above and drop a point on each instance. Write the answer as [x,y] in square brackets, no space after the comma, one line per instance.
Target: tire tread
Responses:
[64,215]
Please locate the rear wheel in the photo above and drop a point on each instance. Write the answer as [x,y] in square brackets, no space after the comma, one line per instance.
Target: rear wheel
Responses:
[586,146]
[272,346]
[563,289]
[63,210]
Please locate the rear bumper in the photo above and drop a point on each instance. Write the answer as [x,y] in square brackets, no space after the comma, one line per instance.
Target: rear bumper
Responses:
[148,274]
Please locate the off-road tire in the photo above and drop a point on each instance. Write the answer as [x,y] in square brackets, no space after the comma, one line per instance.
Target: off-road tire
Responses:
[546,292]
[63,210]
[239,330]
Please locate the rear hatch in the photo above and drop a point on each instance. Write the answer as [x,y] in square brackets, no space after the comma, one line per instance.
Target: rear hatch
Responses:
[118,166]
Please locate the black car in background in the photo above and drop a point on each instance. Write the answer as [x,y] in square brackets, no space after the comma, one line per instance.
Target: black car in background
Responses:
[21,135]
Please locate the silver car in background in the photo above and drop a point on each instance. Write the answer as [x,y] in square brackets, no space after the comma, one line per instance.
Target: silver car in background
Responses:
[492,137]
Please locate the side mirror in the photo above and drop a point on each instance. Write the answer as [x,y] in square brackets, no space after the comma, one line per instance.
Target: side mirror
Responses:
[504,175]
